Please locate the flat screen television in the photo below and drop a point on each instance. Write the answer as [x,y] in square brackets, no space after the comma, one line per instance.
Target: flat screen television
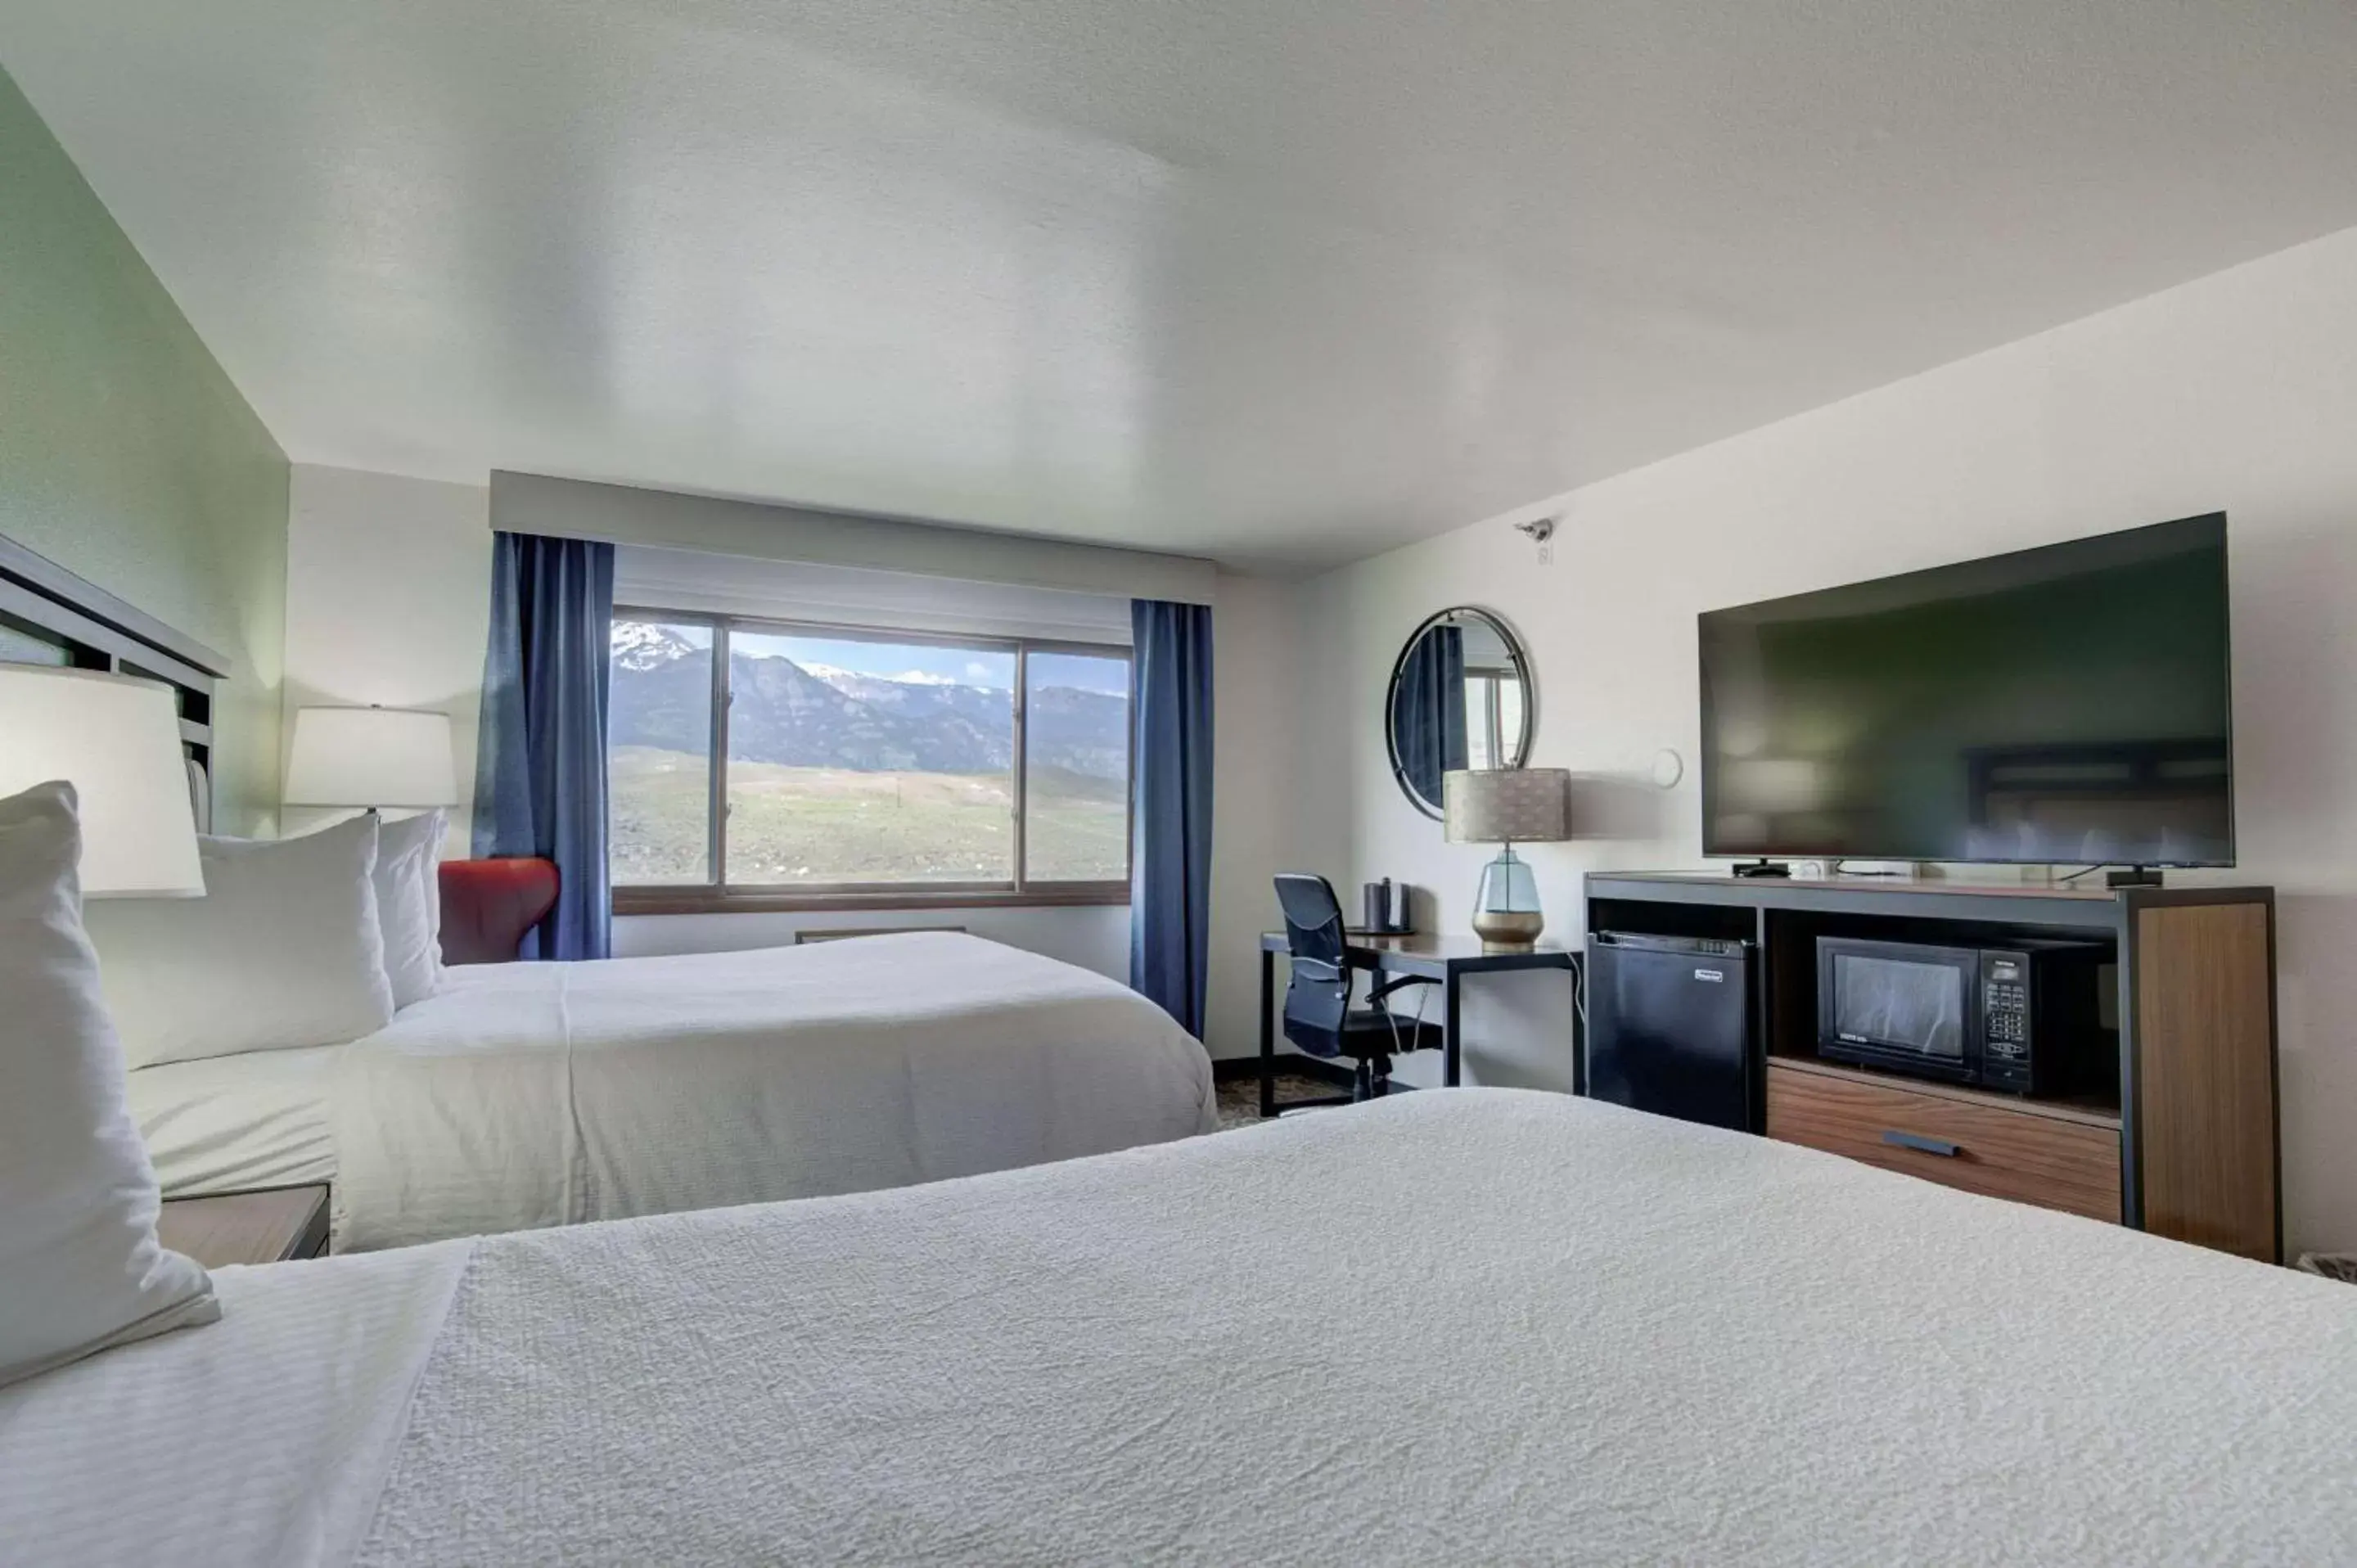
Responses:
[2063,704]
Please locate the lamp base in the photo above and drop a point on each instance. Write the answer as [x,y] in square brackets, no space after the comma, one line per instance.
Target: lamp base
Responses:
[1503,931]
[1506,914]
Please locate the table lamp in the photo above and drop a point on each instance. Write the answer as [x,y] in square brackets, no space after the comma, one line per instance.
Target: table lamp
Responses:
[117,741]
[370,758]
[1506,806]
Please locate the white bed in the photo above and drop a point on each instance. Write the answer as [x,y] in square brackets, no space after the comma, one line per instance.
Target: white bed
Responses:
[1476,1325]
[235,1123]
[527,1095]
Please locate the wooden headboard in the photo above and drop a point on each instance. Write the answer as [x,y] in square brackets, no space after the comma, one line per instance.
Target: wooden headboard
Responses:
[49,616]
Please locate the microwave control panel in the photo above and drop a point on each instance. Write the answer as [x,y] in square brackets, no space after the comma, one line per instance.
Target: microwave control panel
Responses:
[2005,1005]
[2005,1020]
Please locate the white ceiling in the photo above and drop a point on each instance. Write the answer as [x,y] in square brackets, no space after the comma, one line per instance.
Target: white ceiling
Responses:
[1284,282]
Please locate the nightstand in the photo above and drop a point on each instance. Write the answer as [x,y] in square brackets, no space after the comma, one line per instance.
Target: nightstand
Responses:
[247,1226]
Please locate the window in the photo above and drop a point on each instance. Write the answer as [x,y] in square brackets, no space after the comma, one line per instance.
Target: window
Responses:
[1076,766]
[1493,717]
[659,753]
[770,763]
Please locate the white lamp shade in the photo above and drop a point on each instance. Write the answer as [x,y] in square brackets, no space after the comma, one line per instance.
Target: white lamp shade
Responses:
[370,757]
[117,741]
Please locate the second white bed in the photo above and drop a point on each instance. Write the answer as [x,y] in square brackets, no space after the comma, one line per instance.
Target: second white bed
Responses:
[1581,1334]
[529,1095]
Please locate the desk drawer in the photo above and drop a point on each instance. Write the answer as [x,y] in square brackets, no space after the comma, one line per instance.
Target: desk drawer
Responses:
[1979,1145]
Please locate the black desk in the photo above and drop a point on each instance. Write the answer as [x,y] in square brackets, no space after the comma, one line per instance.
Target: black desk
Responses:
[1444,959]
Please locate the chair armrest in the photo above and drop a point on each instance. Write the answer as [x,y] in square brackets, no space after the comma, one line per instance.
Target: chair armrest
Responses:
[1377,993]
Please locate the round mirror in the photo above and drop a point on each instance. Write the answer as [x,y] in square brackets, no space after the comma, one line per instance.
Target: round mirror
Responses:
[1461,697]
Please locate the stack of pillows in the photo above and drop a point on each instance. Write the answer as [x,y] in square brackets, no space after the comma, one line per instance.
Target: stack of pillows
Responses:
[302,942]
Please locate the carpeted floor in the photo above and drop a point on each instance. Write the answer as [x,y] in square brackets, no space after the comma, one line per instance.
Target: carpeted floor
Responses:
[1240,1098]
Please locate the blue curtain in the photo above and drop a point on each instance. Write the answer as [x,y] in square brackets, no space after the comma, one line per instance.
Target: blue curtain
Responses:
[539,766]
[1171,862]
[1428,710]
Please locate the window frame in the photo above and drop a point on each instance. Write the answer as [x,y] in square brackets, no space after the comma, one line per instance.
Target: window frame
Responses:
[1491,680]
[1492,715]
[718,894]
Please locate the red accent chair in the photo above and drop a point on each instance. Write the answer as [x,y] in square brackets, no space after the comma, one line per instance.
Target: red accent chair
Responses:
[489,905]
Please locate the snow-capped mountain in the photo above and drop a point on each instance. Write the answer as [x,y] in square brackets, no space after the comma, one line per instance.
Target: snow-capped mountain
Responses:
[844,680]
[913,692]
[821,717]
[640,645]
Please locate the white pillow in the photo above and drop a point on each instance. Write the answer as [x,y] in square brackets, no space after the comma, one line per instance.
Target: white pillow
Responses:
[409,904]
[80,1266]
[284,951]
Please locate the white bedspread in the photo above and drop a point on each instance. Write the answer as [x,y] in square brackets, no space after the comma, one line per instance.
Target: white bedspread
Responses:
[262,1440]
[235,1123]
[529,1095]
[1470,1326]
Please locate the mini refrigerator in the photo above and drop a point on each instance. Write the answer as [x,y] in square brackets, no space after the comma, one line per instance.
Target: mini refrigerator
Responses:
[1669,1026]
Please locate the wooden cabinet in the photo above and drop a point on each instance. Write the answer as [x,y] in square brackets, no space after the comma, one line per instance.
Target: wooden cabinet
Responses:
[2053,1156]
[2205,1089]
[2189,1149]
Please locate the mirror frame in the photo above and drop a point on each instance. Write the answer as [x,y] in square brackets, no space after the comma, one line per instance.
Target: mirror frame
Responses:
[1514,651]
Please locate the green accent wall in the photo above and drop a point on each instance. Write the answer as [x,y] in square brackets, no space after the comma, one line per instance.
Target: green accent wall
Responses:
[126,455]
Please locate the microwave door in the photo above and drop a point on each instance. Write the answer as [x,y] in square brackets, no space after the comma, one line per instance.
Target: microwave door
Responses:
[1909,1011]
[1911,1006]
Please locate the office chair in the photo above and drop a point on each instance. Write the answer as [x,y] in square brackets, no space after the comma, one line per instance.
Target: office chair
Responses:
[1319,1017]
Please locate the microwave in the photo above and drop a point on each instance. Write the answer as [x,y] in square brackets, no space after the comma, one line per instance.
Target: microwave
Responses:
[2025,1018]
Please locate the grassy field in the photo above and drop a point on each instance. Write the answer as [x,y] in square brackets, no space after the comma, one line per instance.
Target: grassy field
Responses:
[816,825]
[1078,830]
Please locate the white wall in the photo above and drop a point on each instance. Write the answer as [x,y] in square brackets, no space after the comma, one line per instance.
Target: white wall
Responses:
[2238,393]
[840,595]
[1257,698]
[743,530]
[388,601]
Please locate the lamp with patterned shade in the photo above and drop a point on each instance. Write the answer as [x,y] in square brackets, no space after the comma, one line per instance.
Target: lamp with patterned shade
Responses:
[1507,806]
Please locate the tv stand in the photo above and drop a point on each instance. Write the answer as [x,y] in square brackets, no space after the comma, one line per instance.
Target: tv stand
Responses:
[2133,876]
[1762,868]
[2187,1147]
